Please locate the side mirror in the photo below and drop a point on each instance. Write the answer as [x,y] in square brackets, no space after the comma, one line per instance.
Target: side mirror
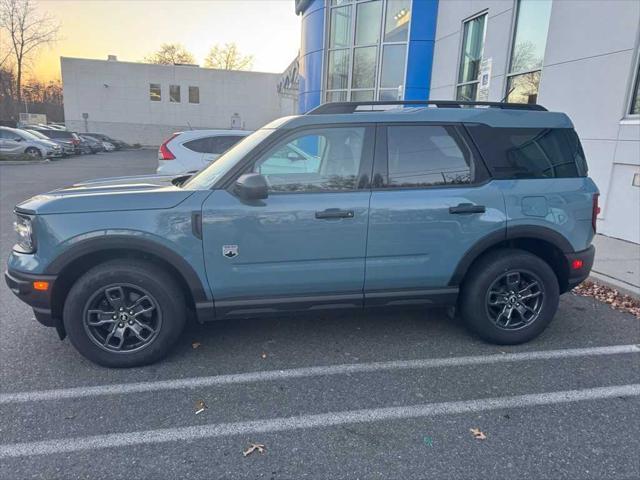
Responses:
[251,186]
[18,139]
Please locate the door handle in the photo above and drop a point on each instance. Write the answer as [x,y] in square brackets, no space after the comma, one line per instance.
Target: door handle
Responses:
[332,213]
[467,208]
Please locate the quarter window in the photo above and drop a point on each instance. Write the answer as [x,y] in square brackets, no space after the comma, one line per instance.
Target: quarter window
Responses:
[155,92]
[527,54]
[470,58]
[319,160]
[217,145]
[426,156]
[194,94]
[174,93]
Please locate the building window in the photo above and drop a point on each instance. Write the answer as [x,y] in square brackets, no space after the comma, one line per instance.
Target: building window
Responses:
[367,47]
[527,53]
[194,94]
[174,93]
[635,95]
[471,57]
[155,92]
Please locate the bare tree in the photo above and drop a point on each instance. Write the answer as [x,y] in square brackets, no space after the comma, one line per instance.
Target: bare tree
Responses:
[170,54]
[228,57]
[27,30]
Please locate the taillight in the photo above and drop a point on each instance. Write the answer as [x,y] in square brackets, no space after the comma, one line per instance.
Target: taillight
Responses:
[595,211]
[164,153]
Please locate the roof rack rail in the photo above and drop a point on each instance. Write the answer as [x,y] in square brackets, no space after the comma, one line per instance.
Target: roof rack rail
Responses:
[351,107]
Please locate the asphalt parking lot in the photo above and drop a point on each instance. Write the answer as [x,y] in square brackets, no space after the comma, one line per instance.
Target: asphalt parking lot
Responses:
[381,395]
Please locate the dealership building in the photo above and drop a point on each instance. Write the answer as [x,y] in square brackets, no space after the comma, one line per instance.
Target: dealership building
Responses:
[573,56]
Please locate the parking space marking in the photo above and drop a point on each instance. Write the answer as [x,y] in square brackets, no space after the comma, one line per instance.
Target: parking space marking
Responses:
[66,445]
[271,375]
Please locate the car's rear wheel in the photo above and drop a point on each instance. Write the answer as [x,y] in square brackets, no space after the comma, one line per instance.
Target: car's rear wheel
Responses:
[124,313]
[509,296]
[33,152]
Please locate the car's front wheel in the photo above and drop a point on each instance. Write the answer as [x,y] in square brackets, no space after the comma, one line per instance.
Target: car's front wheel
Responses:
[124,313]
[509,296]
[33,152]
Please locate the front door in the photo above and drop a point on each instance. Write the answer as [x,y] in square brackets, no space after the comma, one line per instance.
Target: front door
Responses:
[303,247]
[431,205]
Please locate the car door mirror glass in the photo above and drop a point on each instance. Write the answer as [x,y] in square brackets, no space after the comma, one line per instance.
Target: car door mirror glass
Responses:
[251,186]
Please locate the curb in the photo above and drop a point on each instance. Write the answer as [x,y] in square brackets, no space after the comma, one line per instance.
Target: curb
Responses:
[23,162]
[622,287]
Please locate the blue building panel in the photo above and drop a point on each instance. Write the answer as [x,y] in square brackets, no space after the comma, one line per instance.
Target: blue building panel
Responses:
[311,54]
[424,18]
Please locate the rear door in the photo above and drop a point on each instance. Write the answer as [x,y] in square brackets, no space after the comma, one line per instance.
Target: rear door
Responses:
[431,202]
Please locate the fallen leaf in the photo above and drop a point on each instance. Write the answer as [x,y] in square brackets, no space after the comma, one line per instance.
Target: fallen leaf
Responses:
[264,355]
[195,345]
[253,447]
[477,434]
[200,406]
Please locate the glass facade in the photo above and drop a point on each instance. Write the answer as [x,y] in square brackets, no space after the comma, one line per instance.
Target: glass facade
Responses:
[470,58]
[527,53]
[367,49]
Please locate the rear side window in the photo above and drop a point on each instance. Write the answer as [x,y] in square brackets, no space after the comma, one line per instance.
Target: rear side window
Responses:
[530,152]
[217,145]
[426,156]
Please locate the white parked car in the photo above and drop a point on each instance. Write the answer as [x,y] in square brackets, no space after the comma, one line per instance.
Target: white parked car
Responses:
[193,150]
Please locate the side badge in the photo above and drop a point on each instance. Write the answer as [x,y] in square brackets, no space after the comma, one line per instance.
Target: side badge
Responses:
[230,251]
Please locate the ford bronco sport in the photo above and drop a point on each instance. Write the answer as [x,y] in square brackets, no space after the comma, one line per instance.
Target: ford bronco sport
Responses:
[483,206]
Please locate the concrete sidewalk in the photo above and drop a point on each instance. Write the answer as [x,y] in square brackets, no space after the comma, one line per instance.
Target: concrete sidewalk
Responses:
[617,264]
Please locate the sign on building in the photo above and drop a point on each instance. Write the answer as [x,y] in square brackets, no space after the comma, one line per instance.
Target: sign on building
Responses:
[33,118]
[484,79]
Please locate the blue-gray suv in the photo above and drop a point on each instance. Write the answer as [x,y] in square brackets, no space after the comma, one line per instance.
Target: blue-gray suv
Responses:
[482,206]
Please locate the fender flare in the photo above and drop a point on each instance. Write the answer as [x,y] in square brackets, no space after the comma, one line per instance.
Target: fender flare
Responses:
[511,233]
[143,245]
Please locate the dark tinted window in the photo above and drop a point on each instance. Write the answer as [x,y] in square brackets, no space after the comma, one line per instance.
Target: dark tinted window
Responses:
[425,155]
[530,152]
[217,145]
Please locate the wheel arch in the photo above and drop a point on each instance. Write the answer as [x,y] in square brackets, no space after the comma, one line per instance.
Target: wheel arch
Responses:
[543,242]
[76,261]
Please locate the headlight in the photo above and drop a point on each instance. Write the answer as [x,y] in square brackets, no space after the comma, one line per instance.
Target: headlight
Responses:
[26,243]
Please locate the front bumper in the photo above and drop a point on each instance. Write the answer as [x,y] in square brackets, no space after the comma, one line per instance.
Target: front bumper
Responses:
[577,276]
[21,284]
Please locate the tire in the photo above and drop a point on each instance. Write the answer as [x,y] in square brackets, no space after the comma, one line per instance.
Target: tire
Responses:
[487,307]
[33,152]
[149,292]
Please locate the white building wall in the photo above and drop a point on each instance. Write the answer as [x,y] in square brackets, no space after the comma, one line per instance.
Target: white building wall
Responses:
[589,63]
[115,95]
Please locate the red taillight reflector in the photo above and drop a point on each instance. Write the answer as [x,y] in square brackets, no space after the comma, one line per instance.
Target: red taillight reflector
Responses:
[164,153]
[577,264]
[42,286]
[595,211]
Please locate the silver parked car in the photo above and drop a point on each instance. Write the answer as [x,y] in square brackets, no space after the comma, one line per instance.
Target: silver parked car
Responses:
[14,142]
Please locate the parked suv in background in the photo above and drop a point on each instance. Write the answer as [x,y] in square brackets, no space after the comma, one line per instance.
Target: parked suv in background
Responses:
[487,207]
[64,138]
[14,142]
[193,150]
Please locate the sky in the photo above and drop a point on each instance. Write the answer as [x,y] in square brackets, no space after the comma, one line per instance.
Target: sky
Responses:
[131,29]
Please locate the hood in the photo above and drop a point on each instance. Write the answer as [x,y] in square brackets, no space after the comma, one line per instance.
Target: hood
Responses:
[147,192]
[48,143]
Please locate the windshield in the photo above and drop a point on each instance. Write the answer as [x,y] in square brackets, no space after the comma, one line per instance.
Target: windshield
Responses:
[26,135]
[37,134]
[205,178]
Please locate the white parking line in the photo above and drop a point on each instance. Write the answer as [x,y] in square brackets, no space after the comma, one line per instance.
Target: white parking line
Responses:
[66,445]
[270,375]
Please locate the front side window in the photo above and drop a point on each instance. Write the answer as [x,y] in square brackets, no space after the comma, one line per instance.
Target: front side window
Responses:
[427,156]
[194,94]
[155,92]
[527,53]
[470,58]
[326,159]
[174,93]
